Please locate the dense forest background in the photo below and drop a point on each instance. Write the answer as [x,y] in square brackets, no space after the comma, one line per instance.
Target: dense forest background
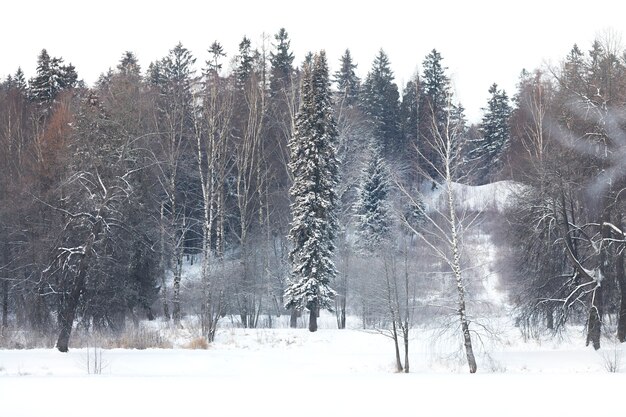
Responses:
[164,192]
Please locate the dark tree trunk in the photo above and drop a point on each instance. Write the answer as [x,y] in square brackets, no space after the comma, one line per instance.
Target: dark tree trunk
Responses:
[313,314]
[70,304]
[5,303]
[293,320]
[406,352]
[5,293]
[621,282]
[549,318]
[469,351]
[621,319]
[394,335]
[594,325]
[68,311]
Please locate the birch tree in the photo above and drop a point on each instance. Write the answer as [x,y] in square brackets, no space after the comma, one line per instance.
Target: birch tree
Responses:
[444,236]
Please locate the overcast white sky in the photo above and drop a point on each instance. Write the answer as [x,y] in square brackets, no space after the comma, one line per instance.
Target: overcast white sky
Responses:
[481,41]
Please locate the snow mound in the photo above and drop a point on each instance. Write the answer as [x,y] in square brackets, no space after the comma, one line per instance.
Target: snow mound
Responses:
[495,196]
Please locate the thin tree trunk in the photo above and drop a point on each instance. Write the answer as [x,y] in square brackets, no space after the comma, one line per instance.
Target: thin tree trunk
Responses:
[549,317]
[176,313]
[394,316]
[166,309]
[394,333]
[293,320]
[594,324]
[456,266]
[5,303]
[405,335]
[313,314]
[621,280]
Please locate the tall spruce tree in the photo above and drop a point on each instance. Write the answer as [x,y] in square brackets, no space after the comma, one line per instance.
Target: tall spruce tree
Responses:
[485,153]
[381,103]
[314,167]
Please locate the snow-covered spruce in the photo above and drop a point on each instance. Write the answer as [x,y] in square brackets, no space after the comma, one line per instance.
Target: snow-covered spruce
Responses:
[314,167]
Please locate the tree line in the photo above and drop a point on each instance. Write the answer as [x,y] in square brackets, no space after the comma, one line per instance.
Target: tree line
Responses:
[108,193]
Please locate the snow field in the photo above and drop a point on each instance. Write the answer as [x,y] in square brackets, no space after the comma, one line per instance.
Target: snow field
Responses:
[279,372]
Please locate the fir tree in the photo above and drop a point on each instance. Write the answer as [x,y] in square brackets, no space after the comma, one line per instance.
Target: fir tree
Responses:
[381,103]
[245,62]
[19,82]
[216,52]
[486,152]
[281,62]
[51,78]
[43,87]
[348,83]
[372,208]
[314,168]
[434,108]
[409,110]
[175,76]
[154,75]
[129,65]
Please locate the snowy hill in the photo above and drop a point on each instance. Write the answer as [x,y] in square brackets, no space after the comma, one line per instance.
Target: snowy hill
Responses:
[489,197]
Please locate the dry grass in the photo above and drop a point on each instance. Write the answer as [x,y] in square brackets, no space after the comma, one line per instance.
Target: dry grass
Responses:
[197,343]
[138,339]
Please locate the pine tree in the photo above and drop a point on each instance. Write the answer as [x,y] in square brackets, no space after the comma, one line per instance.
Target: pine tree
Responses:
[51,78]
[314,168]
[372,208]
[381,104]
[19,82]
[43,87]
[281,63]
[348,83]
[129,65]
[245,62]
[434,108]
[409,111]
[214,65]
[178,74]
[154,75]
[486,152]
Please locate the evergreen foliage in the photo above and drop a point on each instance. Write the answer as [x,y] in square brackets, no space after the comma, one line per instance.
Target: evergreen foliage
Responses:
[314,168]
[380,100]
[487,152]
[245,61]
[348,83]
[129,65]
[434,108]
[51,78]
[372,208]
[281,61]
[409,112]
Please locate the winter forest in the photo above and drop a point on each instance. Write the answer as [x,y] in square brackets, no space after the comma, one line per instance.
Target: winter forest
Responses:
[255,192]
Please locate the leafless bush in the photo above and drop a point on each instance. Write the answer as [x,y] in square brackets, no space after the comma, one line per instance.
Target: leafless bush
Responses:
[611,357]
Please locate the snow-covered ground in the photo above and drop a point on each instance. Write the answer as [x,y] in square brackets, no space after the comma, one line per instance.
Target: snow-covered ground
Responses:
[280,372]
[292,372]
